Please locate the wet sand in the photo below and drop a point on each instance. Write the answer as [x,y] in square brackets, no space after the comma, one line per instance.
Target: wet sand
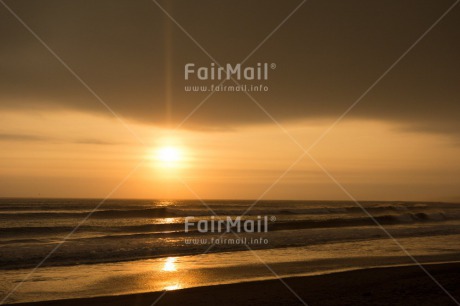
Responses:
[407,285]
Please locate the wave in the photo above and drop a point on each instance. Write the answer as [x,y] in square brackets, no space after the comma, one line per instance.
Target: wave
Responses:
[160,229]
[138,246]
[126,229]
[181,211]
[390,219]
[110,213]
[119,209]
[52,230]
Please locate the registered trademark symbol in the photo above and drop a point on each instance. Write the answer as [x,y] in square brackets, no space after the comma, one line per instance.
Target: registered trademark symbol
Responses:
[273,218]
[272,65]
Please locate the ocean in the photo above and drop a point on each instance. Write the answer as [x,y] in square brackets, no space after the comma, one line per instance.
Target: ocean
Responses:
[129,246]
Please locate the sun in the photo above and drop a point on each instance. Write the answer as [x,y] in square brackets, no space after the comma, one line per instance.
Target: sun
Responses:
[168,156]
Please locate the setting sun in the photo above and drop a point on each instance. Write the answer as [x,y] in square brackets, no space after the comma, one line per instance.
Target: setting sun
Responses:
[168,156]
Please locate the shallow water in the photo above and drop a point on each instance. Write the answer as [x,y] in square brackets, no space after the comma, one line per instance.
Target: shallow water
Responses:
[178,272]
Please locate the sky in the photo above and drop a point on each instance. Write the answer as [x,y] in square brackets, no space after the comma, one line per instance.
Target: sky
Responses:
[93,93]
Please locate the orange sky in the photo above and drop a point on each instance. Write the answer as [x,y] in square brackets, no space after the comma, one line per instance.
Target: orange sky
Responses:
[69,68]
[84,155]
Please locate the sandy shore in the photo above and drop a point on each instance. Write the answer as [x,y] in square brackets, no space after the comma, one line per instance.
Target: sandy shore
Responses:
[379,286]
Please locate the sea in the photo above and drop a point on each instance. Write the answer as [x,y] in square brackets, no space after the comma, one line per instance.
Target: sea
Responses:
[70,248]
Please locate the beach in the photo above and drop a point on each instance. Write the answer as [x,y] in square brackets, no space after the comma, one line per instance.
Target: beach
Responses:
[405,285]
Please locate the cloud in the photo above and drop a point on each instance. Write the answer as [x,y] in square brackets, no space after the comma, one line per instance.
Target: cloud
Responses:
[30,137]
[22,137]
[327,54]
[95,142]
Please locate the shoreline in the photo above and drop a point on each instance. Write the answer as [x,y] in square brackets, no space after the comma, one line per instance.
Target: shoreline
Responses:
[395,285]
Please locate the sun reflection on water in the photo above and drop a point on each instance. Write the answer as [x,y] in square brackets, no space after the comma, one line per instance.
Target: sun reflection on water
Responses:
[164,203]
[170,220]
[173,287]
[170,264]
